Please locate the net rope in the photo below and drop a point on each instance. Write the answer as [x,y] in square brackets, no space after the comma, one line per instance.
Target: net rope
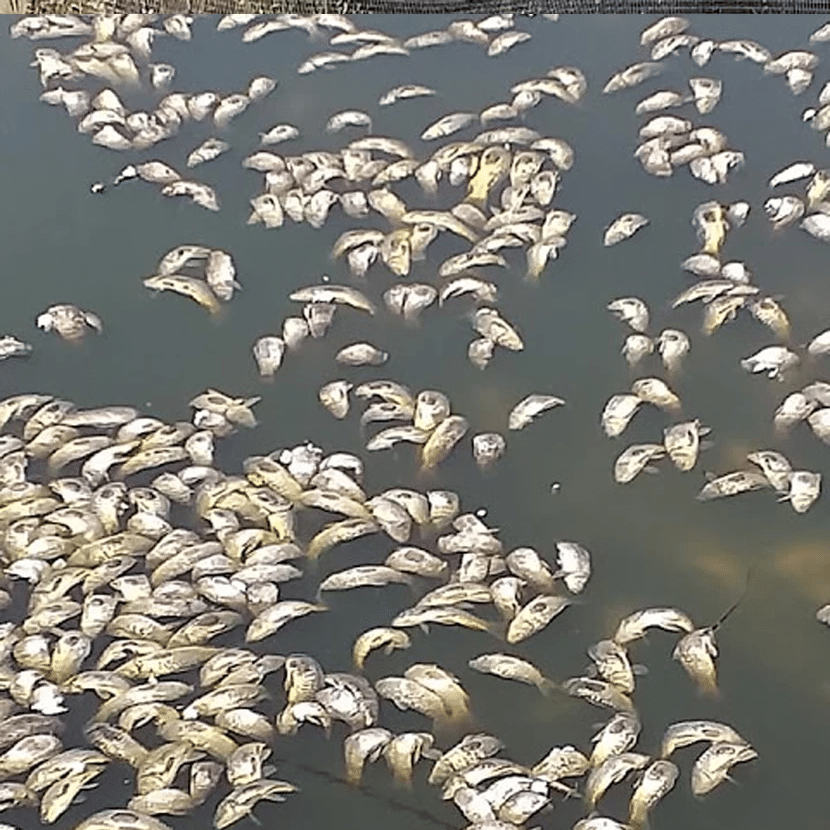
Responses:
[463,7]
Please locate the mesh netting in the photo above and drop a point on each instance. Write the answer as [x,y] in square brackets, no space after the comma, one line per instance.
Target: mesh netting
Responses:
[465,7]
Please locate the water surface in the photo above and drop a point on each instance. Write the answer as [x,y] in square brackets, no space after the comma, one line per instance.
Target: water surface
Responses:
[652,543]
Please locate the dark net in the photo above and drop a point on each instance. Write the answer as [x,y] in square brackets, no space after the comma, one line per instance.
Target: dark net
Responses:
[461,7]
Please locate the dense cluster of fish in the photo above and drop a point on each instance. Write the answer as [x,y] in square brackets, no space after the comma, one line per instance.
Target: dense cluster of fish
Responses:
[432,425]
[121,600]
[137,587]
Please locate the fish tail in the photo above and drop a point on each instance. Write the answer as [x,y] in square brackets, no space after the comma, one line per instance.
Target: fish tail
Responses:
[547,687]
[708,688]
[498,629]
[313,554]
[463,719]
[448,729]
[638,815]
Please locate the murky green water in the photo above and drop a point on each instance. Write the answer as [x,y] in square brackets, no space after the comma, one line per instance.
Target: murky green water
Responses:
[652,543]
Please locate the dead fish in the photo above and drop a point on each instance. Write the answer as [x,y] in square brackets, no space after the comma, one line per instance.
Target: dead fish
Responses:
[805,488]
[278,133]
[657,393]
[636,347]
[783,210]
[442,441]
[348,118]
[208,150]
[12,347]
[268,353]
[410,300]
[535,616]
[509,667]
[615,738]
[673,346]
[574,565]
[69,321]
[632,76]
[773,360]
[624,227]
[746,49]
[200,194]
[195,289]
[713,765]
[335,397]
[400,93]
[634,459]
[658,779]
[507,40]
[448,124]
[388,639]
[670,45]
[598,693]
[618,412]
[665,27]
[685,733]
[220,275]
[767,311]
[363,575]
[337,294]
[721,310]
[430,408]
[657,101]
[817,225]
[531,407]
[682,443]
[630,310]
[491,325]
[361,354]
[794,408]
[706,92]
[488,447]
[634,626]
[792,173]
[612,664]
[731,484]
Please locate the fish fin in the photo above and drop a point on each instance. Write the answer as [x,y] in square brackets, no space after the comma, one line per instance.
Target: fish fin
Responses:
[591,671]
[424,627]
[568,792]
[639,669]
[432,754]
[709,690]
[255,820]
[651,469]
[268,770]
[79,799]
[707,445]
[547,687]
[498,629]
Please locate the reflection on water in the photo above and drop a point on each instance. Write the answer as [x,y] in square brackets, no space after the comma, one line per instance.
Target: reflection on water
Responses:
[652,543]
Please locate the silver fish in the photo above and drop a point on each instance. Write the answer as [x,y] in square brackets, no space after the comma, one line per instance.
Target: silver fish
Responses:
[531,407]
[624,227]
[658,779]
[713,765]
[631,310]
